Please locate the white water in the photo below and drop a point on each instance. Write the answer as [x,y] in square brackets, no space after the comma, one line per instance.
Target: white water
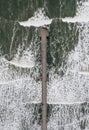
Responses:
[82,14]
[17,89]
[73,88]
[39,19]
[74,85]
[25,61]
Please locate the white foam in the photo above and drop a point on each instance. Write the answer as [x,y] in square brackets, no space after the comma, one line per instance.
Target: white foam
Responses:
[26,60]
[23,63]
[3,82]
[14,80]
[84,73]
[75,19]
[64,103]
[73,86]
[39,19]
[82,14]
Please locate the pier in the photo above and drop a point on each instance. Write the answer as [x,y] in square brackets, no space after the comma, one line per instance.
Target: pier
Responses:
[44,33]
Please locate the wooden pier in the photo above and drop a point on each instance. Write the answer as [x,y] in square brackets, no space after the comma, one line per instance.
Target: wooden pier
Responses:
[43,32]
